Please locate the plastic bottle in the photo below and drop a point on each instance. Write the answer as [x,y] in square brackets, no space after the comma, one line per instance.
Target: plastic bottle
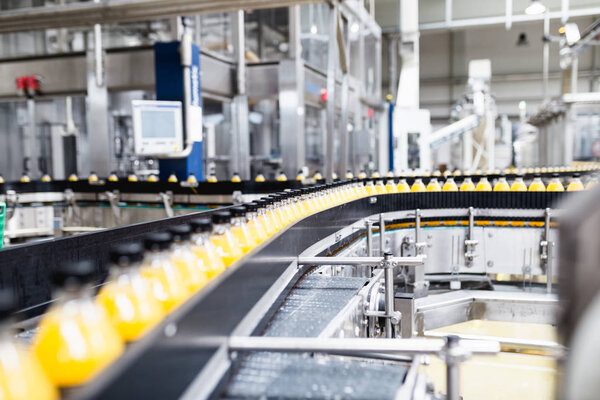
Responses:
[184,258]
[73,178]
[362,175]
[2,179]
[403,187]
[132,178]
[371,189]
[318,176]
[127,297]
[239,228]
[391,186]
[537,185]
[259,178]
[227,246]
[483,185]
[203,249]
[349,174]
[433,185]
[467,185]
[555,184]
[281,177]
[418,186]
[255,228]
[300,175]
[46,178]
[590,184]
[172,178]
[449,185]
[518,184]
[21,375]
[192,178]
[277,210]
[380,187]
[165,279]
[25,178]
[93,178]
[502,185]
[153,178]
[113,177]
[575,184]
[264,217]
[236,178]
[75,339]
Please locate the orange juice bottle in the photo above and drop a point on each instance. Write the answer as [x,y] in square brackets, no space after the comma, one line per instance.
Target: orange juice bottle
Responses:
[289,204]
[555,184]
[127,297]
[518,185]
[362,188]
[227,246]
[575,184]
[255,228]
[76,339]
[467,185]
[449,185]
[205,251]
[591,183]
[273,213]
[391,186]
[537,185]
[302,203]
[185,260]
[502,185]
[165,279]
[418,186]
[265,218]
[433,185]
[380,187]
[483,185]
[293,199]
[371,189]
[21,375]
[239,228]
[278,210]
[403,187]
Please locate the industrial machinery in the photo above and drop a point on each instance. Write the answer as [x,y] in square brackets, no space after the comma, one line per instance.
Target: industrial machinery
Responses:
[357,300]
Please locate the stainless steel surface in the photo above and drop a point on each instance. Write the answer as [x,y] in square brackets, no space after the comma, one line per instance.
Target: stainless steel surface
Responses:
[112,11]
[355,346]
[397,261]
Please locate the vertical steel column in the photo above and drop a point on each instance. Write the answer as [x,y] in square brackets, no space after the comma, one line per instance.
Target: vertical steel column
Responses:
[240,136]
[369,228]
[452,369]
[389,294]
[381,234]
[291,100]
[99,141]
[546,56]
[331,72]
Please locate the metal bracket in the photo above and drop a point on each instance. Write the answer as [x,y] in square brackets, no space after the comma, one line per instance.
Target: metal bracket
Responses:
[12,200]
[470,243]
[113,200]
[167,200]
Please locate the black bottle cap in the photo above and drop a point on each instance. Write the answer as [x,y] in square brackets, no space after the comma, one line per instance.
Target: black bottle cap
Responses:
[200,225]
[238,211]
[555,175]
[126,253]
[74,273]
[576,175]
[158,241]
[8,303]
[221,217]
[251,207]
[180,233]
[537,175]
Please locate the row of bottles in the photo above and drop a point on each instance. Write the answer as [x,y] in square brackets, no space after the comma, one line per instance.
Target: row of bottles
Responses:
[82,333]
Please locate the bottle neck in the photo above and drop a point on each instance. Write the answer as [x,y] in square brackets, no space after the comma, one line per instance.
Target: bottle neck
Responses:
[155,256]
[251,215]
[220,229]
[238,221]
[200,238]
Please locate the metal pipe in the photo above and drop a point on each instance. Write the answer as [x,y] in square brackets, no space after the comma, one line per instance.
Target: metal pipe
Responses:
[546,56]
[369,228]
[417,226]
[354,345]
[452,372]
[549,272]
[398,261]
[381,235]
[389,294]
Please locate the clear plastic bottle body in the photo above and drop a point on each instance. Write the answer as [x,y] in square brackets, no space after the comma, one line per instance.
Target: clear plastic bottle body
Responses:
[418,186]
[76,339]
[240,231]
[502,185]
[227,246]
[537,185]
[575,185]
[483,185]
[264,218]
[518,185]
[467,185]
[380,187]
[208,255]
[403,186]
[21,375]
[450,185]
[166,280]
[130,302]
[371,189]
[391,187]
[186,262]
[433,185]
[555,185]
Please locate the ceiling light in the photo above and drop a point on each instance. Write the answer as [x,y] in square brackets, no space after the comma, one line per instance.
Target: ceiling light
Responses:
[354,27]
[313,29]
[536,7]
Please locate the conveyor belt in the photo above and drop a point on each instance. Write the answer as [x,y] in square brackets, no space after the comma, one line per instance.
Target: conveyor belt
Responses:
[307,310]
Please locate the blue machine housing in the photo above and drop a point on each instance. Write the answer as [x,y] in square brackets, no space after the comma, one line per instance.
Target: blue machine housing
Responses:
[169,86]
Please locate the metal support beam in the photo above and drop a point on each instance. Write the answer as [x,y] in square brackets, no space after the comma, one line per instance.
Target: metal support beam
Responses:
[397,261]
[291,100]
[331,75]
